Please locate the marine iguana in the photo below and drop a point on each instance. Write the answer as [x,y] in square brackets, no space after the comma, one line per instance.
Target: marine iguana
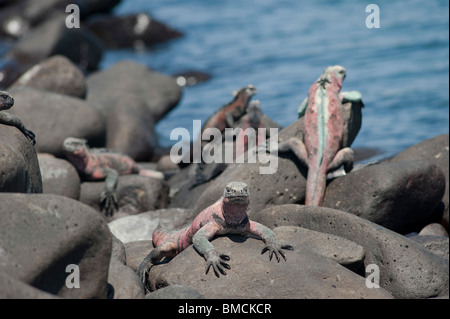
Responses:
[102,164]
[226,115]
[227,216]
[322,150]
[6,102]
[253,119]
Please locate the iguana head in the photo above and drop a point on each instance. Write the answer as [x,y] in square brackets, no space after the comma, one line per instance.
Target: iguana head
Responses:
[333,74]
[248,91]
[73,145]
[236,193]
[6,101]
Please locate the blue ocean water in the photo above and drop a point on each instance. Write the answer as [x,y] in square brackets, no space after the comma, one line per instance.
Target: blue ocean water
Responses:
[281,47]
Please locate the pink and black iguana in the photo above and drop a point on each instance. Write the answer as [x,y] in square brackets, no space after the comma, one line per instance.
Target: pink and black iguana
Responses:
[6,102]
[102,164]
[321,149]
[227,216]
[226,115]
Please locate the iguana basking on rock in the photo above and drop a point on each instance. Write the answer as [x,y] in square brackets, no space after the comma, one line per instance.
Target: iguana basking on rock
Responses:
[102,164]
[322,148]
[6,102]
[227,216]
[226,115]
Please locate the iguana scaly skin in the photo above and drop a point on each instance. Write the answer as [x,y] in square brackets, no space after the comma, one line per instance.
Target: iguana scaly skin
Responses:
[6,102]
[253,119]
[230,112]
[321,150]
[227,216]
[101,164]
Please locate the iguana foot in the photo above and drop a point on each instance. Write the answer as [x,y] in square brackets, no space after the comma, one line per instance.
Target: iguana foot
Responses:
[143,271]
[108,203]
[217,261]
[30,135]
[275,248]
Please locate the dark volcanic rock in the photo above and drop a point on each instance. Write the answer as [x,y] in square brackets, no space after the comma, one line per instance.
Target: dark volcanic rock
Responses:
[435,151]
[158,92]
[305,274]
[134,30]
[135,194]
[407,269]
[141,226]
[286,186]
[401,196]
[10,70]
[59,177]
[19,166]
[54,117]
[56,74]
[130,128]
[43,234]
[52,37]
[175,292]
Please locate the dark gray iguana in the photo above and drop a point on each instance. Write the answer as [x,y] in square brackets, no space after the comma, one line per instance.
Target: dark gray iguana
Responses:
[6,102]
[226,216]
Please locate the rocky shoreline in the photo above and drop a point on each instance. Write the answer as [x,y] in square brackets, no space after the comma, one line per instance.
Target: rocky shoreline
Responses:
[392,214]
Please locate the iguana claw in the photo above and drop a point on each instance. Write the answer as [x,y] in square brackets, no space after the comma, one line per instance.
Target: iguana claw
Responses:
[275,248]
[108,203]
[217,261]
[31,136]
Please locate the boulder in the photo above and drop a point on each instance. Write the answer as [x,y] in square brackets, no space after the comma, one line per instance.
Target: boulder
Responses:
[132,30]
[407,269]
[158,92]
[43,234]
[56,74]
[130,128]
[135,194]
[10,70]
[286,186]
[52,37]
[136,252]
[19,166]
[125,281]
[305,274]
[54,117]
[175,292]
[434,150]
[434,229]
[401,196]
[59,177]
[16,289]
[438,245]
[341,250]
[141,226]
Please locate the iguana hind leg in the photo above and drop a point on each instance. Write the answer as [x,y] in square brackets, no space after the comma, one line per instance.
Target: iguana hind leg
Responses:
[297,147]
[167,249]
[342,157]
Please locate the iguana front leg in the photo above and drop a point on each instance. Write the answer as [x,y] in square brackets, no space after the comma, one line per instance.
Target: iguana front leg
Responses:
[12,120]
[272,245]
[108,198]
[214,259]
